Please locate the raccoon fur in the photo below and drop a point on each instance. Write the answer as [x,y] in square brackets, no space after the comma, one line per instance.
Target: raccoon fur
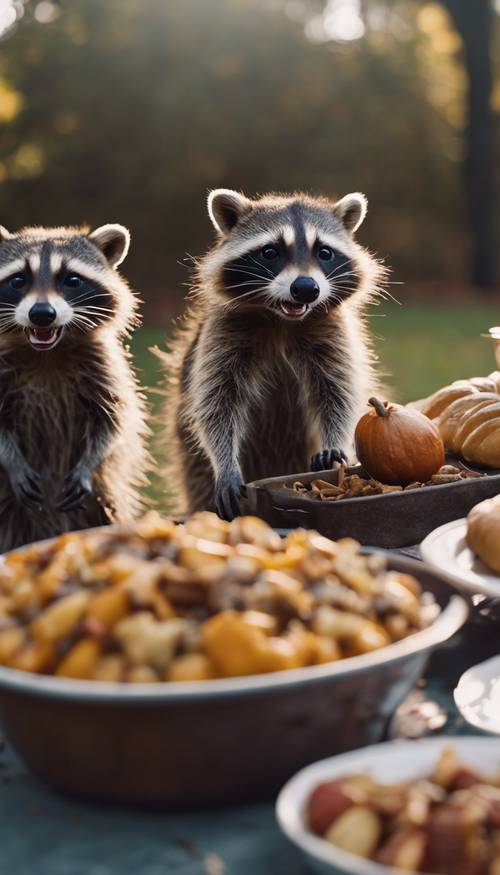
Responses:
[272,366]
[72,422]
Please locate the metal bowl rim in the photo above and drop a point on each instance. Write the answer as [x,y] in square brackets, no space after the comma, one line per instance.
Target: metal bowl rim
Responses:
[450,619]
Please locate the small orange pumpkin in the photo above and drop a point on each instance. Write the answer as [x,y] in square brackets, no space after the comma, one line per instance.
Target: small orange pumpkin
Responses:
[397,445]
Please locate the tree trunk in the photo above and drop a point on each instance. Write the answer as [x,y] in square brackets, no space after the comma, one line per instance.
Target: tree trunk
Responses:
[474,21]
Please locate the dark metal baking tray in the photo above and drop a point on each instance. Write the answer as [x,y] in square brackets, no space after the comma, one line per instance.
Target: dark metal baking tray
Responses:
[396,519]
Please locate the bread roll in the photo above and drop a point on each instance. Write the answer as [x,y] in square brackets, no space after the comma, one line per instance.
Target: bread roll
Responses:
[435,404]
[467,413]
[483,532]
[470,427]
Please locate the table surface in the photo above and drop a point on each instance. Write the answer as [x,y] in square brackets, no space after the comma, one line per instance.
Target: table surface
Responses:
[42,833]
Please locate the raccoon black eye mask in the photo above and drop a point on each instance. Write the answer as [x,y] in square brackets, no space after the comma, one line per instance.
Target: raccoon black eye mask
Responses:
[294,272]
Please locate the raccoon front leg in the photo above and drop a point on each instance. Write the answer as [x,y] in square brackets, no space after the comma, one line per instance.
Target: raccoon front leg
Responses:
[78,483]
[24,481]
[333,412]
[219,414]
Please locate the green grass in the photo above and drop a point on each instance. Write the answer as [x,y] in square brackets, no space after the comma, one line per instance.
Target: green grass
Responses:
[420,349]
[426,348]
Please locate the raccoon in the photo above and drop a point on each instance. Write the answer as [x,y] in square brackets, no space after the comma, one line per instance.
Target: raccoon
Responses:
[272,366]
[72,422]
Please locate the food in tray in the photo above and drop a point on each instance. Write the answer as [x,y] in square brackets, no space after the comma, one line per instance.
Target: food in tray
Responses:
[355,486]
[467,414]
[483,532]
[447,822]
[397,445]
[158,601]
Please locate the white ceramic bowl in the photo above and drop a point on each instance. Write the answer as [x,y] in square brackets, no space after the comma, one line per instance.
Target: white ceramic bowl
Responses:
[390,762]
[477,695]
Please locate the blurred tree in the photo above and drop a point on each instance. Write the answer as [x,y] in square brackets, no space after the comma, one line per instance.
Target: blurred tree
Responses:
[129,110]
[474,21]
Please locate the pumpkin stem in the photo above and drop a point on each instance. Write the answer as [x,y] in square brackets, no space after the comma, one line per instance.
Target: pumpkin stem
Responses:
[381,407]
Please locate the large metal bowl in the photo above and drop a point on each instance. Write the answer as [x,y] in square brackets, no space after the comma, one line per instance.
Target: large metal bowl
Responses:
[214,741]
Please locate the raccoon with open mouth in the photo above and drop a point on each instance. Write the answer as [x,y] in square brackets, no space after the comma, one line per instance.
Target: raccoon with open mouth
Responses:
[72,422]
[272,367]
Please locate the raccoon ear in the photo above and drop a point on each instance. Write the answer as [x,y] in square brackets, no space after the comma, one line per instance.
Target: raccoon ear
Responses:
[226,207]
[113,241]
[4,234]
[351,210]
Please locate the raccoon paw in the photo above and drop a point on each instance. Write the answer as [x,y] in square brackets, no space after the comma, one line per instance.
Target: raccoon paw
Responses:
[77,488]
[25,483]
[326,459]
[227,498]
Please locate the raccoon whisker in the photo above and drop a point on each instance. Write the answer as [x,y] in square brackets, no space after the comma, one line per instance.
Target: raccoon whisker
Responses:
[253,293]
[384,293]
[89,295]
[245,283]
[93,309]
[7,323]
[261,266]
[82,322]
[94,313]
[340,275]
[336,270]
[342,287]
[246,272]
[233,304]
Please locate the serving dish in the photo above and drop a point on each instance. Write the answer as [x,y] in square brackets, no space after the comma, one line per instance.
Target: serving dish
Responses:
[477,695]
[445,549]
[217,740]
[396,519]
[389,762]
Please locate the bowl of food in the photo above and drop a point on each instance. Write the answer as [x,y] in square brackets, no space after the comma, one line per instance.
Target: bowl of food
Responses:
[429,806]
[207,661]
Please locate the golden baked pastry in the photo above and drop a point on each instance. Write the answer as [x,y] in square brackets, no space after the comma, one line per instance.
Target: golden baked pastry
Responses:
[470,427]
[435,404]
[483,532]
[467,414]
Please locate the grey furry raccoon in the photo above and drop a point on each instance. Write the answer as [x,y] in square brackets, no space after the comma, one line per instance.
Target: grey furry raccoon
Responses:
[72,422]
[272,367]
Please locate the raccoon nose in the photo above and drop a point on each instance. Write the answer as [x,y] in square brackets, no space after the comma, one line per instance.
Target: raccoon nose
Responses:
[304,289]
[42,314]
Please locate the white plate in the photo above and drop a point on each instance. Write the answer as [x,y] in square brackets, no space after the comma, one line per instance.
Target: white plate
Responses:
[446,550]
[390,762]
[477,695]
